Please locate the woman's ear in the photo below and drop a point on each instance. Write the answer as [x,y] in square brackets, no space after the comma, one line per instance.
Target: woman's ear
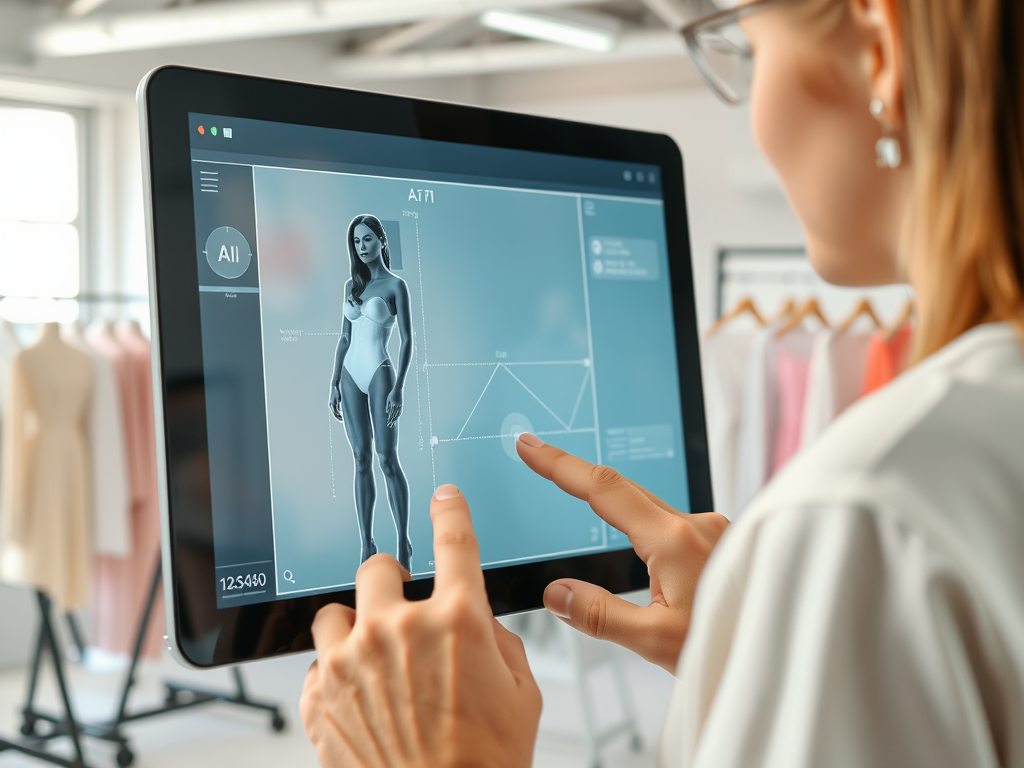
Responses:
[883,54]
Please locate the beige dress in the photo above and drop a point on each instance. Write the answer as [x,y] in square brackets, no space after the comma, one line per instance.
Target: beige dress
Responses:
[45,532]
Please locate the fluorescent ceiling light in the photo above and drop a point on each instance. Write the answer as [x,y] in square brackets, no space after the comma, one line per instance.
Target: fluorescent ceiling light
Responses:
[202,25]
[587,31]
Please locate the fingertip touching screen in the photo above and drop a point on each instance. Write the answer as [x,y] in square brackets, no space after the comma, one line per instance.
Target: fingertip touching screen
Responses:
[383,314]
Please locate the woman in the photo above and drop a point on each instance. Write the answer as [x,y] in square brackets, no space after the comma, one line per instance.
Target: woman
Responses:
[868,609]
[366,391]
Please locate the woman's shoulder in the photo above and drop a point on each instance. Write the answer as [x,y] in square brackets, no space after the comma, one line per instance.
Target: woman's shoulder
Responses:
[964,405]
[394,285]
[940,449]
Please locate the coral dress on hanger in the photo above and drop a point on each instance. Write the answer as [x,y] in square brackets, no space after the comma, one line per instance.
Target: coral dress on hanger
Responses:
[46,540]
[886,358]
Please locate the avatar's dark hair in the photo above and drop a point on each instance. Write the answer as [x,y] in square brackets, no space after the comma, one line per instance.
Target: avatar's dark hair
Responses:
[360,272]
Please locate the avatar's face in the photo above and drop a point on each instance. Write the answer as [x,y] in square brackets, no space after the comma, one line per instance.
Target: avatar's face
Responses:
[366,244]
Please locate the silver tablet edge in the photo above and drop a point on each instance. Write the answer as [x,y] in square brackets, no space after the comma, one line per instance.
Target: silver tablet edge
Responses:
[171,638]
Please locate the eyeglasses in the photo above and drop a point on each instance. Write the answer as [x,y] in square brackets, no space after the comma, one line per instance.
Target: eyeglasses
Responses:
[719,48]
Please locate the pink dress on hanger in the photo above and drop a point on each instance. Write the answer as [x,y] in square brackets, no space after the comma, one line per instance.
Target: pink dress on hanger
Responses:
[146,512]
[113,619]
[791,382]
[122,584]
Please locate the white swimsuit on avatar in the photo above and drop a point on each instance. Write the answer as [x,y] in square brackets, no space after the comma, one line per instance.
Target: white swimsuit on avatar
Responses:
[372,322]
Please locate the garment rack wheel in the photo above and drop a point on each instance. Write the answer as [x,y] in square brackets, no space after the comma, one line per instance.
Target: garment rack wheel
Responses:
[28,726]
[125,757]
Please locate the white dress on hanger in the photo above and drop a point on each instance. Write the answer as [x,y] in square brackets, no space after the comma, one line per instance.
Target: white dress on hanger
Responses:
[835,380]
[724,359]
[111,489]
[758,419]
[9,347]
[46,541]
[868,610]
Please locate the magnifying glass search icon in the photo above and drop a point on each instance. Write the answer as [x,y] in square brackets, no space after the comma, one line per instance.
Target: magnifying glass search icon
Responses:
[287,575]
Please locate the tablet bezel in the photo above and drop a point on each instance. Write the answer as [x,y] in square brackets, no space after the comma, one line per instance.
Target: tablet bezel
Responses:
[200,634]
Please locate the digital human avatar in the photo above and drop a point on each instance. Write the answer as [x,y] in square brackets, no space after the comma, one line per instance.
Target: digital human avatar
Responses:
[366,388]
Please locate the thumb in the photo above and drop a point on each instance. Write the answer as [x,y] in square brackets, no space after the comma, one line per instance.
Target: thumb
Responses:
[597,612]
[512,651]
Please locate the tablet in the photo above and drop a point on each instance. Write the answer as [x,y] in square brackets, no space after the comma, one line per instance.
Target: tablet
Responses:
[358,297]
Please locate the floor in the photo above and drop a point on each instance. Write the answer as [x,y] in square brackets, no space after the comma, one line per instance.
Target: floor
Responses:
[219,735]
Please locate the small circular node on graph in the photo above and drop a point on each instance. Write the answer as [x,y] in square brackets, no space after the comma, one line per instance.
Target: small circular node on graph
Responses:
[586,363]
[433,440]
[511,428]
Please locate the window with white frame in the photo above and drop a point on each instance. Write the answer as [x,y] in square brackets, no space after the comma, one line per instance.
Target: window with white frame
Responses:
[40,212]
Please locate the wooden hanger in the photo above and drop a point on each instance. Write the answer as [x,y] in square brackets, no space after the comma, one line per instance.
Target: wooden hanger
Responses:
[786,308]
[744,306]
[809,308]
[863,309]
[902,319]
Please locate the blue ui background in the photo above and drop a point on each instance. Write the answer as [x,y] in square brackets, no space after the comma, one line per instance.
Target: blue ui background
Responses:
[530,311]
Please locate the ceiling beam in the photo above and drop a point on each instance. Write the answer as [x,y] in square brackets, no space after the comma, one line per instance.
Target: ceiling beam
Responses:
[79,8]
[409,36]
[672,13]
[504,57]
[220,21]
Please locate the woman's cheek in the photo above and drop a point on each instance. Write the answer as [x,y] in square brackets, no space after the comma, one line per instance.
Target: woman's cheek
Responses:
[807,130]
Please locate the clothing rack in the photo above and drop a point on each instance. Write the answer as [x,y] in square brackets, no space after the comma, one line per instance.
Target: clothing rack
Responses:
[770,275]
[39,728]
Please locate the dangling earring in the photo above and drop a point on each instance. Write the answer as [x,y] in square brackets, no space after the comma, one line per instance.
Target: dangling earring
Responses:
[888,153]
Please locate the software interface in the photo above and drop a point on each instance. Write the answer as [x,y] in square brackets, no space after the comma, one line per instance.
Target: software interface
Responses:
[381,315]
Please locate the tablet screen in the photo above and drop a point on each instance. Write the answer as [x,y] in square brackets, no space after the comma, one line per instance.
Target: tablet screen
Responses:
[384,314]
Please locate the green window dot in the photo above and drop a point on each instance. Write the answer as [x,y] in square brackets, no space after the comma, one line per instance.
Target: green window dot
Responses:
[213,130]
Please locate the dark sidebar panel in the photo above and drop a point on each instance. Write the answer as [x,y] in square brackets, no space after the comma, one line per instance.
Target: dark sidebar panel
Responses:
[239,468]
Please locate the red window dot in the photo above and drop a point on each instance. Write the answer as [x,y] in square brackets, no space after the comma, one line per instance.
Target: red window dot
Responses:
[202,130]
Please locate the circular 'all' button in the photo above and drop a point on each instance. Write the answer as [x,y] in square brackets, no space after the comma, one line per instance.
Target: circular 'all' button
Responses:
[228,252]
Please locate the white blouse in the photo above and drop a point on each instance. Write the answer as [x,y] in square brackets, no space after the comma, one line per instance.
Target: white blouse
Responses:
[868,610]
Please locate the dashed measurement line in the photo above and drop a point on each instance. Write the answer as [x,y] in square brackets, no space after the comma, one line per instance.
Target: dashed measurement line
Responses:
[505,362]
[426,374]
[495,437]
[330,441]
[419,406]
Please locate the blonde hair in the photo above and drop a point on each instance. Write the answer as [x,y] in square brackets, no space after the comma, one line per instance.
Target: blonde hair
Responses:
[964,106]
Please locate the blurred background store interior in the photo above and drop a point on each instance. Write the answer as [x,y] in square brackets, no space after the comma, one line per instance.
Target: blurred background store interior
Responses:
[71,225]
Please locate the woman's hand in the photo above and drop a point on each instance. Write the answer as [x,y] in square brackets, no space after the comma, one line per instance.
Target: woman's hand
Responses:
[674,546]
[335,402]
[430,684]
[393,408]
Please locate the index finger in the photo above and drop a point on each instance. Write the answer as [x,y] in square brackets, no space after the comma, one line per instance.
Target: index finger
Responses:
[615,499]
[456,551]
